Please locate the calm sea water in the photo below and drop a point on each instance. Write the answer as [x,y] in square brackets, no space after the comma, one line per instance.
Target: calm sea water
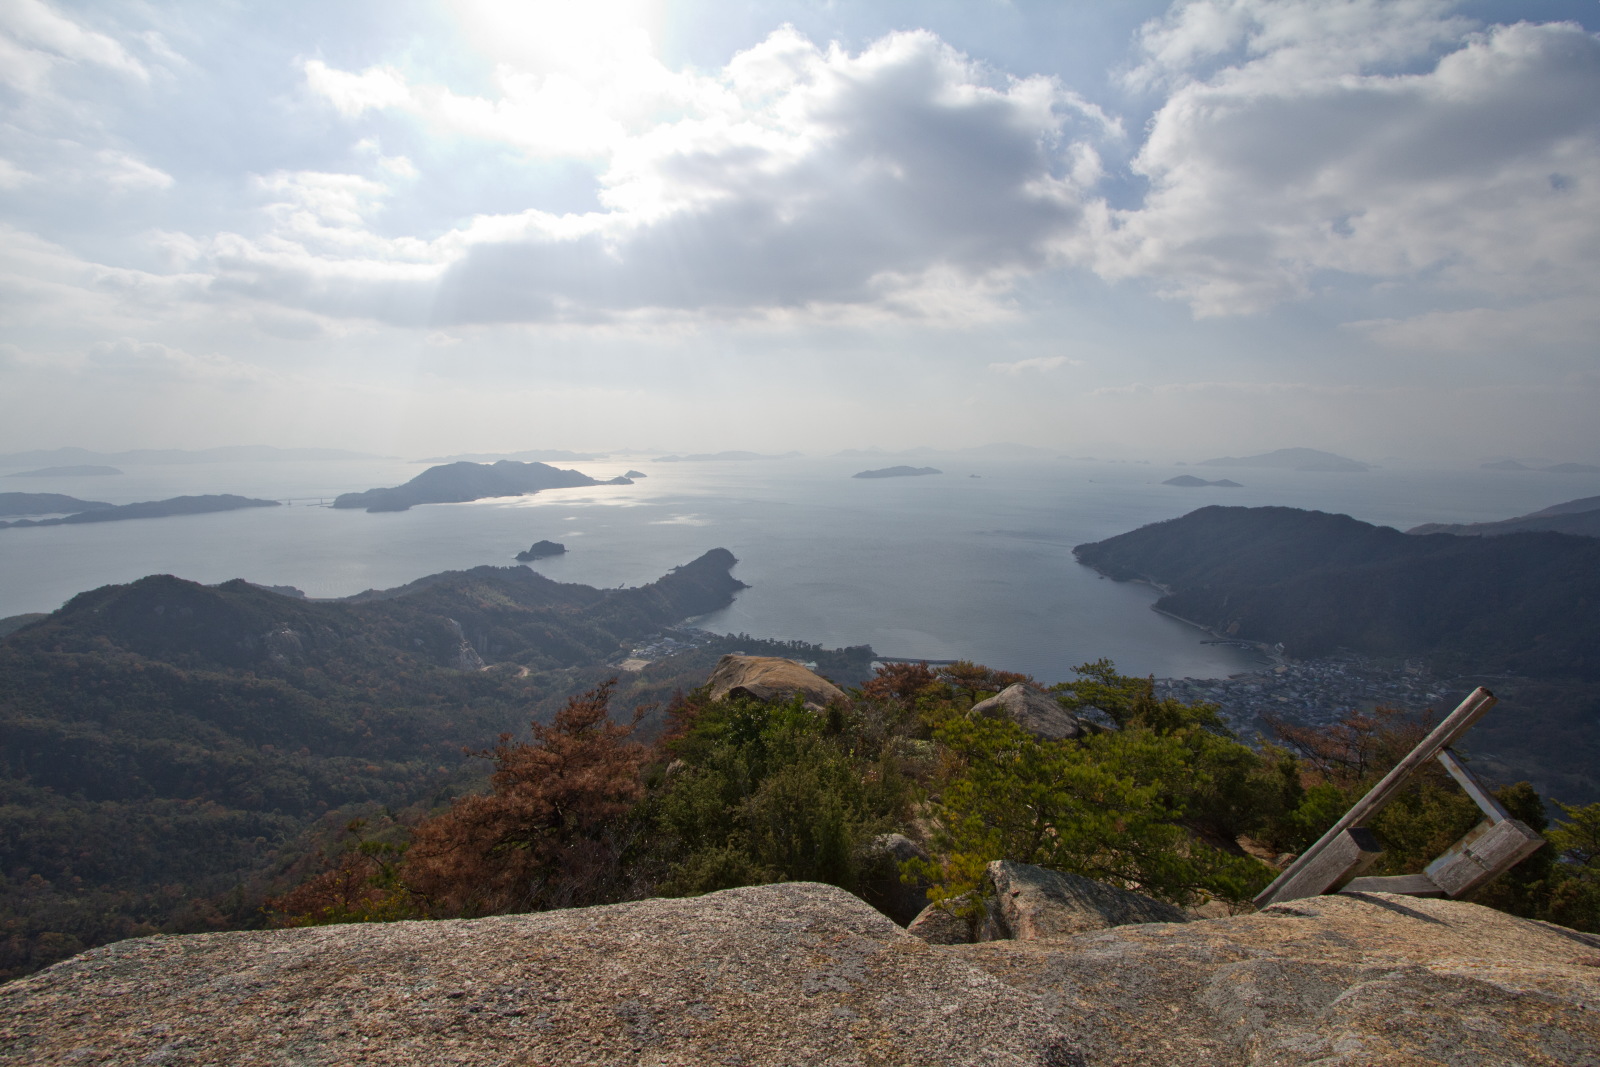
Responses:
[974,563]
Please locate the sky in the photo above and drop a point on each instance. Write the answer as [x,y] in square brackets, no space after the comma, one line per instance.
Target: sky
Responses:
[1171,231]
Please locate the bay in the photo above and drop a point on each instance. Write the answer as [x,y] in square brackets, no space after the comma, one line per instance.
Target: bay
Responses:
[973,563]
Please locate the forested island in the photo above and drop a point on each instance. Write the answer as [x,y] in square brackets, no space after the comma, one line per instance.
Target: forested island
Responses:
[898,472]
[1580,517]
[457,483]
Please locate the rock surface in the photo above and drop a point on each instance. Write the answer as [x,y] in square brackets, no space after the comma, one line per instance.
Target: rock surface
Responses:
[785,974]
[883,885]
[1037,904]
[1033,710]
[1354,981]
[805,973]
[771,678]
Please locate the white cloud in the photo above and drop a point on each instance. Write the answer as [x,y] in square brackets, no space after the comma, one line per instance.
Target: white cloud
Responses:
[35,39]
[1037,363]
[1479,170]
[125,172]
[152,362]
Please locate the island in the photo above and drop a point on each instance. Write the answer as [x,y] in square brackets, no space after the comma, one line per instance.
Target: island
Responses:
[74,470]
[898,472]
[153,509]
[1189,481]
[46,504]
[1581,517]
[1295,459]
[540,550]
[634,474]
[458,483]
[700,457]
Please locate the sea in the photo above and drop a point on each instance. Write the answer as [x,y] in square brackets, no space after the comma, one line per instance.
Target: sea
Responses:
[972,563]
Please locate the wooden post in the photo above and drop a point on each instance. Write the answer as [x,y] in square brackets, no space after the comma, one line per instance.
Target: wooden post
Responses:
[1295,882]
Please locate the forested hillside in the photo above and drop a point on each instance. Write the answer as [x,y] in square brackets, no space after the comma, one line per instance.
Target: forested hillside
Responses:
[165,744]
[1525,603]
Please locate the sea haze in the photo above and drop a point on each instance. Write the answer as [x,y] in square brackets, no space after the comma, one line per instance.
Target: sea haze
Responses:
[943,567]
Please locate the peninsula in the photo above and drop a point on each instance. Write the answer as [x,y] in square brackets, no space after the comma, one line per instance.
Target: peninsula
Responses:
[152,509]
[45,504]
[457,483]
[1581,517]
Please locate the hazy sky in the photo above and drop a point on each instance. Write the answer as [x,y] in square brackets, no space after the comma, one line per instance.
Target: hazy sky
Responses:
[1216,226]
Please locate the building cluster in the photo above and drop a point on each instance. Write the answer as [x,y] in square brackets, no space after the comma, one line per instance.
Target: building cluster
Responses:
[1311,692]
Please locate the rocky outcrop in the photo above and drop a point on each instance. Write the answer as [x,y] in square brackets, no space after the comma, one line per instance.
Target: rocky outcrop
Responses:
[805,973]
[1367,980]
[771,678]
[772,975]
[1037,712]
[883,883]
[1023,902]
[1029,903]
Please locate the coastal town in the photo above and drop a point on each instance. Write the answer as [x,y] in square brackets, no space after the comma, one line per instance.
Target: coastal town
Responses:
[1311,692]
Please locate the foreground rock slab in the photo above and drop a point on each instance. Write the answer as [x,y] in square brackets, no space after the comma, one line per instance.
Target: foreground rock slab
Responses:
[1363,980]
[787,974]
[1035,711]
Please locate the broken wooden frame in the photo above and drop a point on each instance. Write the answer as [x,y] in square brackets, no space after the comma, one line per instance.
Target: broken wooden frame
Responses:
[1336,861]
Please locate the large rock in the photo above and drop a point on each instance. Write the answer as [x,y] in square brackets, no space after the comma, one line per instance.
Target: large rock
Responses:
[771,678]
[1035,711]
[883,883]
[1341,981]
[784,974]
[1029,903]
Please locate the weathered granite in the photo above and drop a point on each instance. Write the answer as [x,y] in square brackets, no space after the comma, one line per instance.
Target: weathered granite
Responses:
[1029,903]
[1032,709]
[1366,980]
[771,678]
[784,974]
[884,884]
[939,925]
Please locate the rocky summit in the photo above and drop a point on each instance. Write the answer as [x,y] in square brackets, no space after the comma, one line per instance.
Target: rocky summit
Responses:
[807,974]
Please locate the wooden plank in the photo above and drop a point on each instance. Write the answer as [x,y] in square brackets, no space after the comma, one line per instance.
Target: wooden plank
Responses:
[1458,722]
[1468,781]
[1352,852]
[1412,885]
[1482,856]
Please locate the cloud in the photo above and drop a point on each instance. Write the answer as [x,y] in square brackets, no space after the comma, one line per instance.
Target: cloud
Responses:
[149,362]
[35,39]
[798,178]
[1037,363]
[125,172]
[1312,151]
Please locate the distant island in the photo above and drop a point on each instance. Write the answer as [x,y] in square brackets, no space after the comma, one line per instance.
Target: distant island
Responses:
[77,470]
[634,474]
[700,457]
[543,455]
[540,550]
[898,472]
[138,456]
[1189,481]
[1525,603]
[153,509]
[46,504]
[1295,459]
[457,483]
[1581,517]
[1555,468]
